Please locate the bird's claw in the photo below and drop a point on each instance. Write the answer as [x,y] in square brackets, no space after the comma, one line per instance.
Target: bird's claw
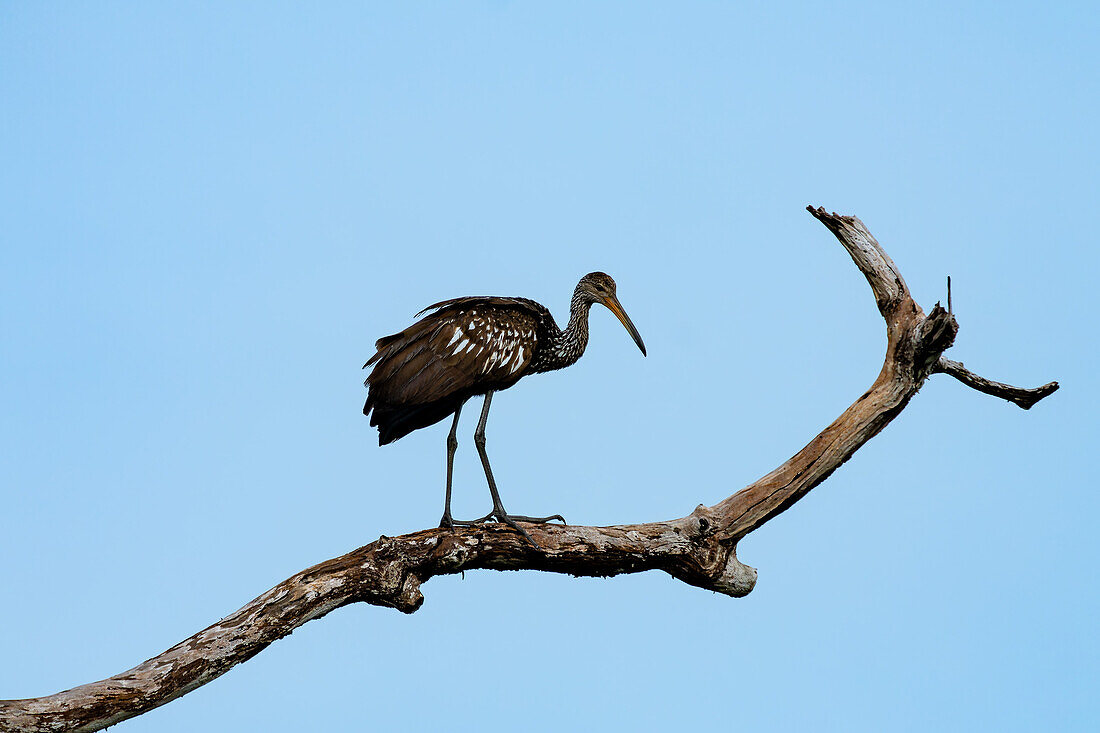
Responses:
[511,522]
[539,520]
[448,523]
[512,519]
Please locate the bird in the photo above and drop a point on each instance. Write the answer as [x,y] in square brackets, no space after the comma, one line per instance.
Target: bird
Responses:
[471,346]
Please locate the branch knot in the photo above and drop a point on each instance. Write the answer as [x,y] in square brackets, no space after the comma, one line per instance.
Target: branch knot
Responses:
[932,337]
[737,579]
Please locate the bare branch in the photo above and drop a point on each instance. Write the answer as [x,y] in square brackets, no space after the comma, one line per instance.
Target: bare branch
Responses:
[1021,396]
[700,549]
[886,282]
[387,572]
[914,343]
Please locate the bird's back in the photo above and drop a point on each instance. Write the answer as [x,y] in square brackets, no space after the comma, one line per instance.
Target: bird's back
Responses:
[465,347]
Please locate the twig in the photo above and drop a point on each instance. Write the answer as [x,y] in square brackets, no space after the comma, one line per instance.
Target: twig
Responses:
[1021,396]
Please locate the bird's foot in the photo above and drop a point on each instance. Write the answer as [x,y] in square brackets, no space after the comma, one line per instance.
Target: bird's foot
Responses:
[539,520]
[448,523]
[512,521]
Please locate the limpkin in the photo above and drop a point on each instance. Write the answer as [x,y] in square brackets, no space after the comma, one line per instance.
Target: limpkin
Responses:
[476,346]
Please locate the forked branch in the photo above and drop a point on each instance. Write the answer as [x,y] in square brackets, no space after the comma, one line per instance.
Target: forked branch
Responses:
[700,549]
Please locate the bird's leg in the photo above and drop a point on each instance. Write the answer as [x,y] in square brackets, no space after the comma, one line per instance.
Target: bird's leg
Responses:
[479,440]
[452,446]
[498,508]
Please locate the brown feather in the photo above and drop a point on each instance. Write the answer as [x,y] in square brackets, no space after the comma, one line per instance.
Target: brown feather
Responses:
[466,347]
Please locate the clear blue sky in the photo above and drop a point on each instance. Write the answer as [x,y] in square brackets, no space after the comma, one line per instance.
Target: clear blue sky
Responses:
[209,211]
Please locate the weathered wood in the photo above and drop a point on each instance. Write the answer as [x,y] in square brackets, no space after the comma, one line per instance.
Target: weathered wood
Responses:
[1021,396]
[700,549]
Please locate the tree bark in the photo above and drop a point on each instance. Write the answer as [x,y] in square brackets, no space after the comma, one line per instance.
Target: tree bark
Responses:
[699,549]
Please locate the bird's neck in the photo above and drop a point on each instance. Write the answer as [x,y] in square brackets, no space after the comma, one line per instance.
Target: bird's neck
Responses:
[570,343]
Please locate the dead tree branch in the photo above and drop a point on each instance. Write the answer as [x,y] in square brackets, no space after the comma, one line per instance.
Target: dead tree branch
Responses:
[1021,396]
[699,549]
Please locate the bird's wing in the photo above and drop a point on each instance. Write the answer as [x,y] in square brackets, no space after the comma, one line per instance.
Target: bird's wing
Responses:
[486,301]
[470,303]
[467,345]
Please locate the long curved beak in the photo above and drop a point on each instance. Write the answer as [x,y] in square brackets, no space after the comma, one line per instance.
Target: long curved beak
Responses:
[615,307]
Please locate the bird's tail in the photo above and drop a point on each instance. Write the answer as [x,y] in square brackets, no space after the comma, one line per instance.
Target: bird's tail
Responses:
[397,421]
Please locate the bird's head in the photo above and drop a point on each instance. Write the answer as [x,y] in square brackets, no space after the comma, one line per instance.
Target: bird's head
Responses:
[598,287]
